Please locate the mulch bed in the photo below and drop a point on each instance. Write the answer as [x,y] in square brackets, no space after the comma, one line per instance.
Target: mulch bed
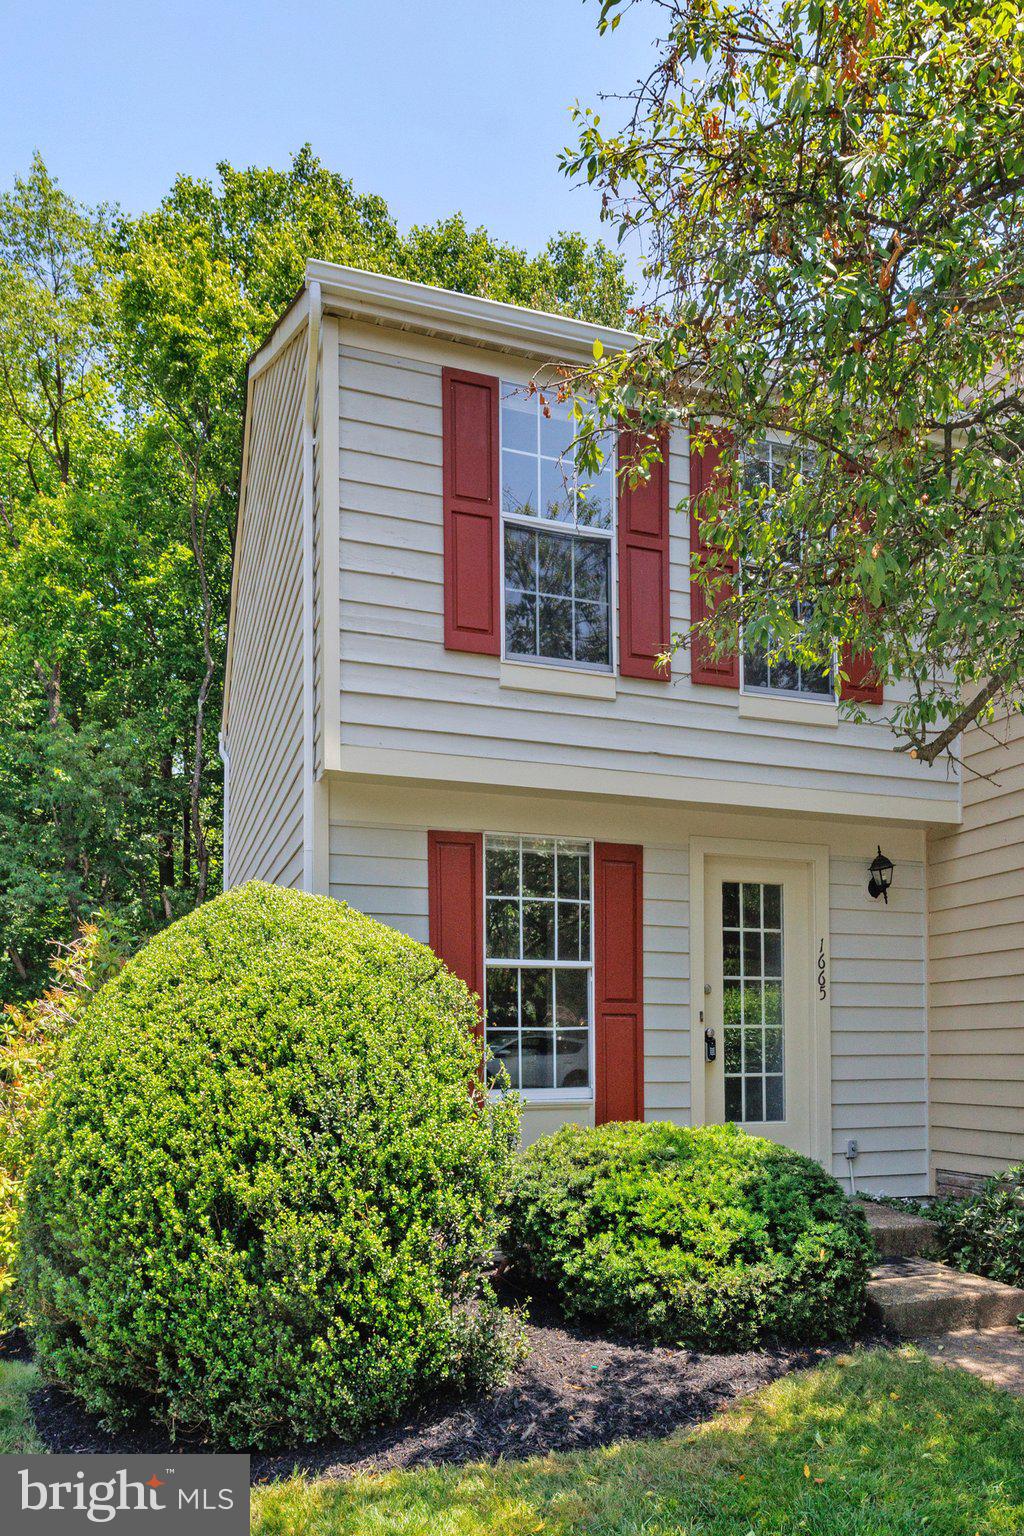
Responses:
[576,1390]
[15,1345]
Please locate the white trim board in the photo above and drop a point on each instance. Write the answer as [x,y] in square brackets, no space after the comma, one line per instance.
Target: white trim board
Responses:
[815,858]
[792,710]
[446,768]
[330,545]
[573,681]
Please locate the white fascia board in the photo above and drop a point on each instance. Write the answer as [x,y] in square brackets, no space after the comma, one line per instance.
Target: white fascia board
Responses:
[394,301]
[285,326]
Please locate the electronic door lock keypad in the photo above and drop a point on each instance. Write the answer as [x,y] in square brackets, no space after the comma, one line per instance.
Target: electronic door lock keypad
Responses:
[710,1045]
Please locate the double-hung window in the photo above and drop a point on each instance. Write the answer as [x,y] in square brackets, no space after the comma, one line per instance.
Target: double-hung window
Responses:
[768,465]
[538,967]
[557,532]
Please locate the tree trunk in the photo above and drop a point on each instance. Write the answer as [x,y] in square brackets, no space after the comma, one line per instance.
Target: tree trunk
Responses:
[165,837]
[17,962]
[196,787]
[186,847]
[51,688]
[198,518]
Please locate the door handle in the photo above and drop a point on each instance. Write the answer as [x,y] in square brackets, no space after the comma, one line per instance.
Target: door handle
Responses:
[710,1045]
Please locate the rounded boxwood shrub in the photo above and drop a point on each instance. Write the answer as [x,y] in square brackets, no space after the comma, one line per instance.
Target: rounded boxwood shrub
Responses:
[266,1184]
[708,1237]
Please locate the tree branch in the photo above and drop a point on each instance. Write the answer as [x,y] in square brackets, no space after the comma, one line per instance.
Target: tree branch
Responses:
[927,752]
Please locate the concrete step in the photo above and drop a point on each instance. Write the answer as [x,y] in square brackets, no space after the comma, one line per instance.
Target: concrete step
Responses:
[916,1298]
[899,1234]
[994,1354]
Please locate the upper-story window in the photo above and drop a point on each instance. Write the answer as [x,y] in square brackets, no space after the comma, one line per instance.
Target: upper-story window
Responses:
[770,464]
[557,578]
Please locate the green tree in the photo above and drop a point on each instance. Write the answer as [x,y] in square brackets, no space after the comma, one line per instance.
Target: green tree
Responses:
[54,338]
[55,423]
[569,277]
[830,196]
[68,784]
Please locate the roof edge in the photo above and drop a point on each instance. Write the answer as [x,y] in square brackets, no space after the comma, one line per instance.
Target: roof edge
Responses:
[382,300]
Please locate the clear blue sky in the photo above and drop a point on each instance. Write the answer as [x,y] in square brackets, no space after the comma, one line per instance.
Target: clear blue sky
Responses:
[435,104]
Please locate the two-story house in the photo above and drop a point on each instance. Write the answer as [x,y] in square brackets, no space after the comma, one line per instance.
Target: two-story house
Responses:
[443,706]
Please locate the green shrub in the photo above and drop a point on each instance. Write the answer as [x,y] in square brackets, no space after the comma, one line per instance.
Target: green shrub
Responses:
[706,1237]
[32,1036]
[266,1186]
[984,1234]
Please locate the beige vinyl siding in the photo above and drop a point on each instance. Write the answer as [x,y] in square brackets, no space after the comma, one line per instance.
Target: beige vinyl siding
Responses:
[265,720]
[378,863]
[976,962]
[403,693]
[879,1036]
[666,980]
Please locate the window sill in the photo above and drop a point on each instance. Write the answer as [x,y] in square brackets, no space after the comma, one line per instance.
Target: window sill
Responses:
[532,678]
[795,711]
[538,1098]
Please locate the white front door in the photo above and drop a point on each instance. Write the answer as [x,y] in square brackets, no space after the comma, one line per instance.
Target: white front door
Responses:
[758,997]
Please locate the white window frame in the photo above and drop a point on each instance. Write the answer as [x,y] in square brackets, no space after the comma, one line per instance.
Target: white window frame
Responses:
[759,690]
[743,1076]
[795,695]
[550,1096]
[550,524]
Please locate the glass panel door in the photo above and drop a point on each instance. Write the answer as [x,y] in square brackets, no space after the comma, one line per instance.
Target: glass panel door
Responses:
[758,999]
[753,1003]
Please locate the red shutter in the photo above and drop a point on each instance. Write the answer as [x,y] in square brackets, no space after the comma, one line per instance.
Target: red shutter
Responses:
[861,683]
[718,671]
[619,981]
[644,626]
[455,873]
[472,522]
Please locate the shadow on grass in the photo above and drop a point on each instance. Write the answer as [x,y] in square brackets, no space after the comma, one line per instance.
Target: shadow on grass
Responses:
[876,1444]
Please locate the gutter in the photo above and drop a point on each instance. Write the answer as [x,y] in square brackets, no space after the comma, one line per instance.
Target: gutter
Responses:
[225,757]
[312,359]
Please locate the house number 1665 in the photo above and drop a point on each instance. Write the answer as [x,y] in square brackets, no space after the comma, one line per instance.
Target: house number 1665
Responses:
[822,983]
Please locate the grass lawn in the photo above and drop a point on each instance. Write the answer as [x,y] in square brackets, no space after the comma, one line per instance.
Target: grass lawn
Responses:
[17,1380]
[882,1444]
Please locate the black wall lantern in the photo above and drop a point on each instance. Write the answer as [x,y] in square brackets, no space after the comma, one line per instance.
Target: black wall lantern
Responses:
[881,876]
